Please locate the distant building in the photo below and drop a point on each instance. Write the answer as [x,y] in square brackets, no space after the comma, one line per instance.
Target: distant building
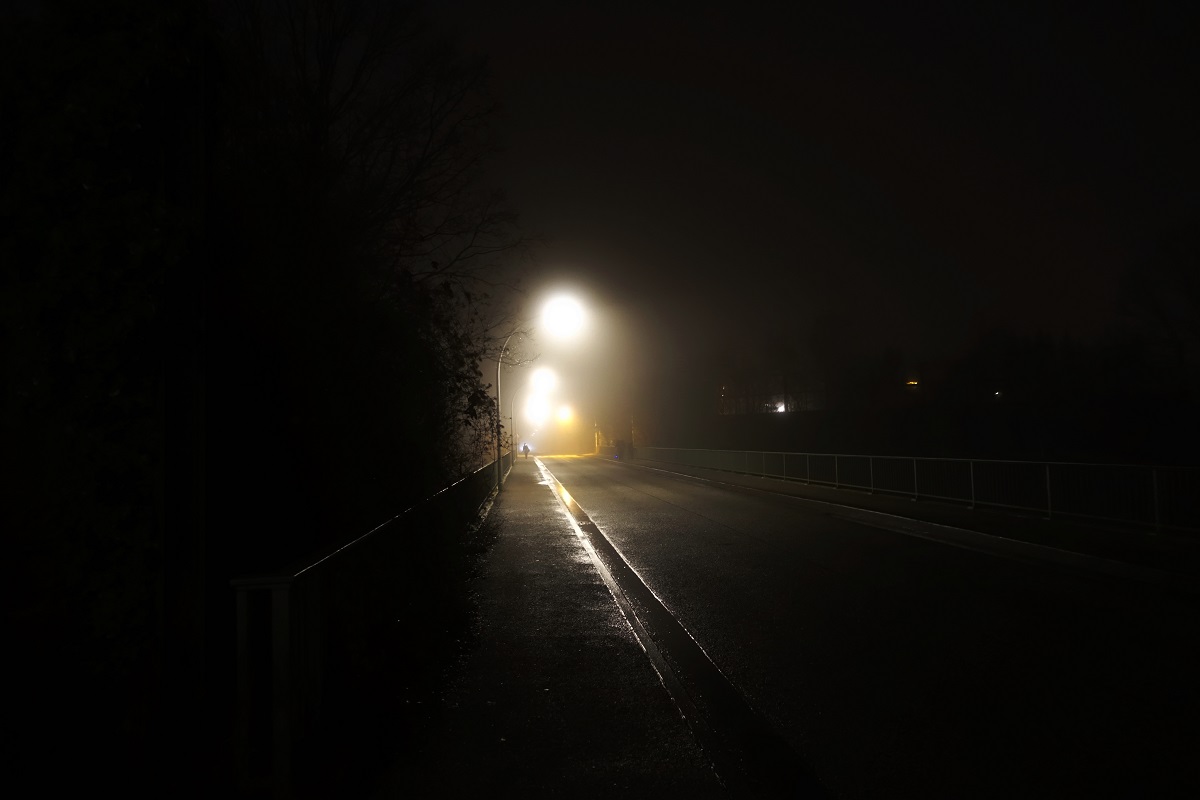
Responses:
[771,395]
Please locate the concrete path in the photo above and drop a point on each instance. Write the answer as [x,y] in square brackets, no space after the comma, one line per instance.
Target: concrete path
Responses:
[553,696]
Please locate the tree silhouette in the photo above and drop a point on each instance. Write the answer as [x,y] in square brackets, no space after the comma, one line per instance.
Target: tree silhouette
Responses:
[358,254]
[246,280]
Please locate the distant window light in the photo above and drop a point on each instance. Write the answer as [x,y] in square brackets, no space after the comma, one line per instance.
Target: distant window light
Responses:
[911,383]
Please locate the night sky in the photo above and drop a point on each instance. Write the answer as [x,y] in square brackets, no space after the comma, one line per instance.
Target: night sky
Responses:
[720,176]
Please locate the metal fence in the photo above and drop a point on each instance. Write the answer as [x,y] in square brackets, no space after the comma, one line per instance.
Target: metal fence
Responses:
[1141,497]
[315,639]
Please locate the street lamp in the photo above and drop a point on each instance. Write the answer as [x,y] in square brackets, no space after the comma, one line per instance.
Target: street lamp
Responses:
[537,409]
[542,382]
[563,317]
[512,441]
[500,410]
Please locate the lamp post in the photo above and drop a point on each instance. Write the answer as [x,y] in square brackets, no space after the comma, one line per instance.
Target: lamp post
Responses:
[512,440]
[499,411]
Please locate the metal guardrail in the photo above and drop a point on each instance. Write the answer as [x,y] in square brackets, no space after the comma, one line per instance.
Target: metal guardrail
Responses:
[1138,497]
[313,637]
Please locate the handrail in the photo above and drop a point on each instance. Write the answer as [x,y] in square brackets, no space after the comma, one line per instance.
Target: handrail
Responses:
[286,656]
[1131,495]
[294,571]
[922,458]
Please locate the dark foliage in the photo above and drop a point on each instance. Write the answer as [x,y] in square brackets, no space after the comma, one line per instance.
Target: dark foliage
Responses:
[95,222]
[244,293]
[350,251]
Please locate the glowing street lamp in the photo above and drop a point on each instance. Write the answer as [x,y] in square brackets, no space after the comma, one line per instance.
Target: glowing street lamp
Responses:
[537,409]
[562,317]
[543,380]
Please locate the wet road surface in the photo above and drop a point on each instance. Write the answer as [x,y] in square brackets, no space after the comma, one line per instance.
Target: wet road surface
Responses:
[897,666]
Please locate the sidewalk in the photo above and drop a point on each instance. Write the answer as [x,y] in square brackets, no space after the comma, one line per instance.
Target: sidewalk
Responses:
[553,696]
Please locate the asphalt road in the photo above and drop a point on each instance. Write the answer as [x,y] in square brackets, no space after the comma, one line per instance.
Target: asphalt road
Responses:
[897,666]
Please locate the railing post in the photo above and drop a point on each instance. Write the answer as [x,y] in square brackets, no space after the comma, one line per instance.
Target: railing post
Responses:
[243,715]
[916,494]
[282,699]
[281,690]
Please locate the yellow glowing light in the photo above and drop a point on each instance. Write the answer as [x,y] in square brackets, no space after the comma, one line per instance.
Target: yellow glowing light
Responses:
[563,316]
[565,414]
[911,383]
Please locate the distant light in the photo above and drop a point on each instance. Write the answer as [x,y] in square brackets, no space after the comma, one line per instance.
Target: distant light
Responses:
[565,414]
[537,409]
[543,380]
[780,407]
[997,394]
[911,383]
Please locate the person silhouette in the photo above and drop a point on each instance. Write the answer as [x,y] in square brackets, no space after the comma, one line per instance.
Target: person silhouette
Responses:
[525,449]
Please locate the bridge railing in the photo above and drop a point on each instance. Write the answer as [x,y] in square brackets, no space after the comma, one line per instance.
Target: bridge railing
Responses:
[315,639]
[1142,497]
